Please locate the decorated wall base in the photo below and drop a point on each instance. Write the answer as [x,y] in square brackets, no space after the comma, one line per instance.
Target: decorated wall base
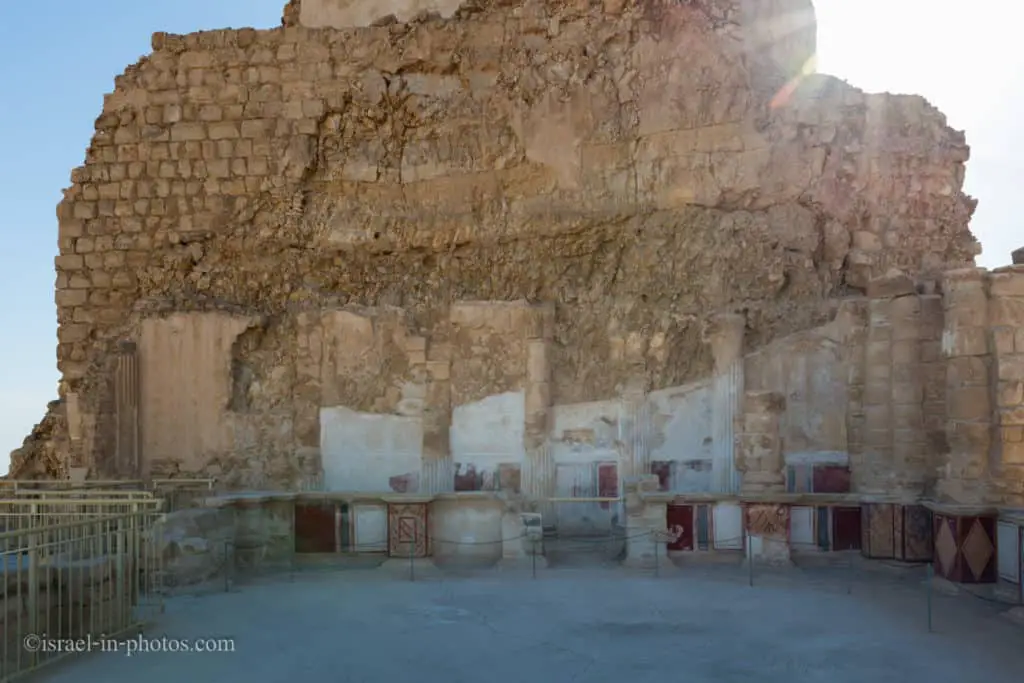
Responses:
[896,531]
[767,527]
[965,550]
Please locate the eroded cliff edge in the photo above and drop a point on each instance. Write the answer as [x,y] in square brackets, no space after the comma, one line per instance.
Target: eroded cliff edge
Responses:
[640,164]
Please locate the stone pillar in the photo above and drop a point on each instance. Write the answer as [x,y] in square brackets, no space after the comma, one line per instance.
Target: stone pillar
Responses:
[437,472]
[961,478]
[906,399]
[725,336]
[1006,317]
[760,443]
[127,461]
[307,397]
[644,520]
[856,315]
[878,418]
[933,370]
[538,476]
[634,428]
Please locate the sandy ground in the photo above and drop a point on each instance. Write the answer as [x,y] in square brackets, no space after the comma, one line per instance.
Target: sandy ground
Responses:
[576,624]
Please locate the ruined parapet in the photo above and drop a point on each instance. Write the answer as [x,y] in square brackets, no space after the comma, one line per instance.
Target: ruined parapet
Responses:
[290,15]
[488,151]
[760,458]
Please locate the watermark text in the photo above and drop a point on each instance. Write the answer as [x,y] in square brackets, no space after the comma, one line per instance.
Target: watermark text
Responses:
[135,645]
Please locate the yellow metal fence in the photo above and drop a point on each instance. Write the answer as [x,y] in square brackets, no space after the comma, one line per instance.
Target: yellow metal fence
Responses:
[79,568]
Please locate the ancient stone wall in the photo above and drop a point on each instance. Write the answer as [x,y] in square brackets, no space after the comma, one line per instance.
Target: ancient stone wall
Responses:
[982,341]
[640,165]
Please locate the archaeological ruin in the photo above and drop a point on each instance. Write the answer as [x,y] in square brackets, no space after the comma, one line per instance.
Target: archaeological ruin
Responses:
[454,269]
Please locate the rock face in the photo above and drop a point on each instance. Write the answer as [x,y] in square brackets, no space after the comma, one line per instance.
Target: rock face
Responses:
[289,216]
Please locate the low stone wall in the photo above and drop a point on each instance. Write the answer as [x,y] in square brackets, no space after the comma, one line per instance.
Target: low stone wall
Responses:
[243,533]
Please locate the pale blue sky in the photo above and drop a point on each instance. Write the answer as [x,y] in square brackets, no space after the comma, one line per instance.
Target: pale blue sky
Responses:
[59,57]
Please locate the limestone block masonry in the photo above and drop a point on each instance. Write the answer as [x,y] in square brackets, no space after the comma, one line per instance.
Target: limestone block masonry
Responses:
[390,240]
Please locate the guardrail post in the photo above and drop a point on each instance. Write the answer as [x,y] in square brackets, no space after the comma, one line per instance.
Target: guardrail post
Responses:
[124,607]
[33,572]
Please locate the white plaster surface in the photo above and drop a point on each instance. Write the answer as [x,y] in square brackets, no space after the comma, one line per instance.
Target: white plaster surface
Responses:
[1009,552]
[801,526]
[371,527]
[584,435]
[703,624]
[809,370]
[682,425]
[489,432]
[727,522]
[362,451]
[585,432]
[580,480]
[466,530]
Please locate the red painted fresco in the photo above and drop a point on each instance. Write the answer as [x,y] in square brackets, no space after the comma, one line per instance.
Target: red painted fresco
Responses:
[315,528]
[831,479]
[680,521]
[607,482]
[846,528]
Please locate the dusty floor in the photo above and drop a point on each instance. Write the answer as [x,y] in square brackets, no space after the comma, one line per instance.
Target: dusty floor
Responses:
[703,623]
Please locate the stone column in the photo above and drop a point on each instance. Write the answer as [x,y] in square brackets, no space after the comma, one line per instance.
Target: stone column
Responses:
[877,395]
[725,336]
[906,399]
[538,475]
[933,370]
[437,471]
[307,397]
[1006,317]
[634,428]
[856,314]
[968,390]
[644,520]
[127,461]
[760,443]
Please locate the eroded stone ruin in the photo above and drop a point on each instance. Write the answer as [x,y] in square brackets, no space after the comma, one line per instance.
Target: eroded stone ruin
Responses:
[534,247]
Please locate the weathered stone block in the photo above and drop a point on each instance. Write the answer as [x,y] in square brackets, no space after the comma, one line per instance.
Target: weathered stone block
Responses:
[1007,282]
[1010,368]
[1012,416]
[1013,453]
[1010,394]
[1003,340]
[968,341]
[1018,256]
[967,371]
[1007,311]
[969,404]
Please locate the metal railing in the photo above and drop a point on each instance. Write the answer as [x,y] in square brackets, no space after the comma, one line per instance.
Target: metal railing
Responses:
[76,572]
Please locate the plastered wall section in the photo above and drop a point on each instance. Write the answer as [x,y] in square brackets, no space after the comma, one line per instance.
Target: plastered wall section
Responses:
[810,371]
